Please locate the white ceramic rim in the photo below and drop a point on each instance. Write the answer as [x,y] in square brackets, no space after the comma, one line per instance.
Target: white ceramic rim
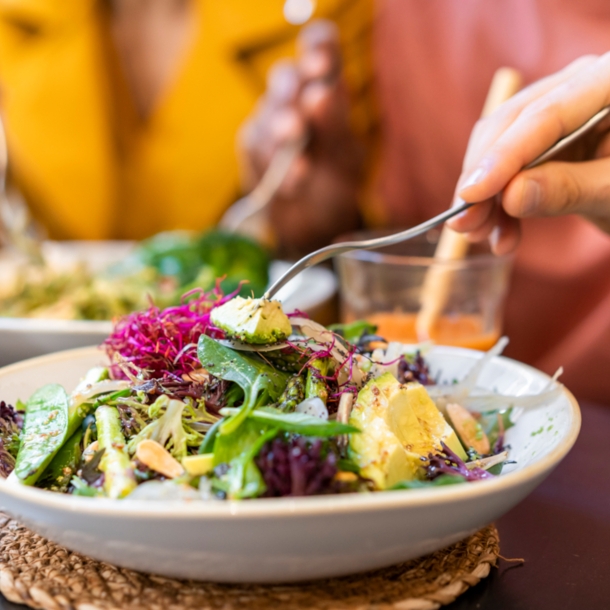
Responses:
[289,507]
[51,326]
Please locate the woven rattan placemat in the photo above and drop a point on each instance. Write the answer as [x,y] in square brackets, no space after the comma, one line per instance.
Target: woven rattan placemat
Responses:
[42,574]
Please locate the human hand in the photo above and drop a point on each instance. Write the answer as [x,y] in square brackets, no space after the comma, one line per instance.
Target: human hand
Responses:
[520,130]
[307,98]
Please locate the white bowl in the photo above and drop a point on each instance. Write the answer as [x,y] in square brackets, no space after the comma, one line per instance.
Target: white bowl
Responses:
[282,540]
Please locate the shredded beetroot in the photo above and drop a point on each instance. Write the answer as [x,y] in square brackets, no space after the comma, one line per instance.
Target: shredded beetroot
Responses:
[297,313]
[159,343]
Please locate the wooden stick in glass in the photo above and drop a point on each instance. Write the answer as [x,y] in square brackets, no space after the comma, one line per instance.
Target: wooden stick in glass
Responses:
[451,245]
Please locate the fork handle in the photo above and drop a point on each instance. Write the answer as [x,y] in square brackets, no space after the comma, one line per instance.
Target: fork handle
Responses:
[335,249]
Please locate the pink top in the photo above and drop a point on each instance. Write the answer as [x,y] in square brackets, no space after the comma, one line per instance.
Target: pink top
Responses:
[435,60]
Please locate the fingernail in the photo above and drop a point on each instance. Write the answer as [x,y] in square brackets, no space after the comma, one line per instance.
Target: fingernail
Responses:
[530,199]
[474,178]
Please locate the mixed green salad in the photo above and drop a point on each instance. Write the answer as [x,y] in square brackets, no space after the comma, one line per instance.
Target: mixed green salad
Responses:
[183,412]
[160,269]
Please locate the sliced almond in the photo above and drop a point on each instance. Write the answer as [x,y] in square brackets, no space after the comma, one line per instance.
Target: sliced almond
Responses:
[197,376]
[159,459]
[468,428]
[343,412]
[346,477]
[90,450]
[489,462]
[345,407]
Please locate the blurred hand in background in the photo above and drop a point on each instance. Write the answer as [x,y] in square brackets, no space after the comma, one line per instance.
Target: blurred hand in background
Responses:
[307,98]
[519,131]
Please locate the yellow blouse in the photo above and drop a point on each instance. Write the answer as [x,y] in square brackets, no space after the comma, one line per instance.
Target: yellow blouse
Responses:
[89,167]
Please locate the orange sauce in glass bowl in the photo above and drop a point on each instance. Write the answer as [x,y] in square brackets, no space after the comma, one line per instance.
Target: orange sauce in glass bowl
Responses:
[461,330]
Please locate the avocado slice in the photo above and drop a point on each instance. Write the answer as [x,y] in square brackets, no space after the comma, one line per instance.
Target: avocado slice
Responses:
[256,321]
[400,426]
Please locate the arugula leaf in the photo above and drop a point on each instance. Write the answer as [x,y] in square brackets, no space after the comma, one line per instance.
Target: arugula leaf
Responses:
[260,382]
[490,422]
[244,477]
[444,479]
[229,446]
[298,423]
[207,444]
[238,449]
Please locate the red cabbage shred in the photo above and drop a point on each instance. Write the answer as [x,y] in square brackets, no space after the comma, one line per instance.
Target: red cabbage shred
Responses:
[298,467]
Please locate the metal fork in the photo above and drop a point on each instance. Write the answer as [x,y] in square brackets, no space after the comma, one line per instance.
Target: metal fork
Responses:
[371,244]
[260,197]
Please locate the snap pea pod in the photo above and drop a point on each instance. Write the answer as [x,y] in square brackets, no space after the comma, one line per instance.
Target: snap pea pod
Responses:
[51,417]
[119,478]
[94,375]
[63,466]
[45,429]
[315,386]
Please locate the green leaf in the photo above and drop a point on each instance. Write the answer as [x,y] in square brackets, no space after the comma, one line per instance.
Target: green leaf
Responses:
[490,423]
[245,479]
[354,330]
[260,382]
[45,430]
[297,423]
[80,488]
[207,445]
[496,470]
[229,446]
[196,260]
[444,479]
[238,449]
[346,465]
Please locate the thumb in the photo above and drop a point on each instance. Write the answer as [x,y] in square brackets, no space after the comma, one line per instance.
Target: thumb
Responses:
[555,189]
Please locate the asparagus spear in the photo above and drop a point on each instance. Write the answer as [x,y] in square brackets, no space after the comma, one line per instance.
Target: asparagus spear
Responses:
[292,395]
[315,386]
[119,479]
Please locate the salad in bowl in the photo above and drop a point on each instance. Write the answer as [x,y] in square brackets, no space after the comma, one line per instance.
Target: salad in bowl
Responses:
[228,398]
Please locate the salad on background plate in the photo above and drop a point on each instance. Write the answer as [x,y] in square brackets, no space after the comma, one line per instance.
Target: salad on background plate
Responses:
[73,285]
[225,397]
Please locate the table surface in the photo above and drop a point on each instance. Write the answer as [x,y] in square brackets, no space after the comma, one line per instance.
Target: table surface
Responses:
[562,530]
